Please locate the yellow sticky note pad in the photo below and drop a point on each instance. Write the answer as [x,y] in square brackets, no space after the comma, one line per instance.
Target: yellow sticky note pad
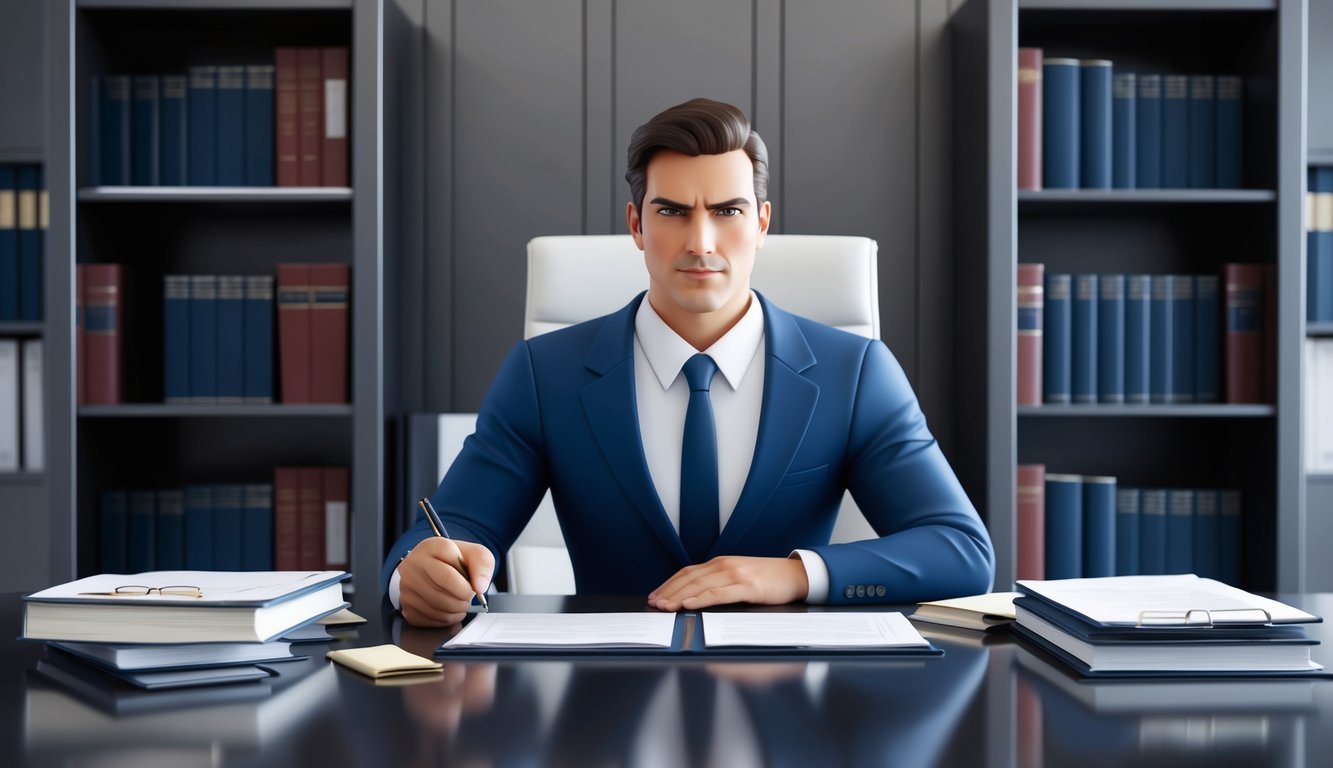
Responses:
[384,661]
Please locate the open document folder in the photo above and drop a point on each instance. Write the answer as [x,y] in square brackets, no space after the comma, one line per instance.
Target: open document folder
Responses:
[709,633]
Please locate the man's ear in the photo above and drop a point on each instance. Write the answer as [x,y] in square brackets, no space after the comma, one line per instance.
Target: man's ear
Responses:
[635,223]
[765,218]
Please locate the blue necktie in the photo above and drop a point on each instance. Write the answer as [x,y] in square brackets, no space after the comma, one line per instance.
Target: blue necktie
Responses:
[698,463]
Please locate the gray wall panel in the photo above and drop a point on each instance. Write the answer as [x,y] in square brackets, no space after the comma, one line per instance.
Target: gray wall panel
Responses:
[1320,71]
[23,88]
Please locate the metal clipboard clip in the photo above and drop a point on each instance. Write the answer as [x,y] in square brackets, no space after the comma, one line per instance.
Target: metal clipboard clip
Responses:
[1200,618]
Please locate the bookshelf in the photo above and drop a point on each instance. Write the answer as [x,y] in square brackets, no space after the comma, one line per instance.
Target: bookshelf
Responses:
[1256,448]
[146,443]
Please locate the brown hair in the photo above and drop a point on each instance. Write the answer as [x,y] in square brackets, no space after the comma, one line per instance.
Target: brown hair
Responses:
[697,127]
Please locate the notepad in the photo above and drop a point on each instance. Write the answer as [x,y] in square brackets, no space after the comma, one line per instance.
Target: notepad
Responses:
[566,630]
[860,631]
[988,611]
[384,661]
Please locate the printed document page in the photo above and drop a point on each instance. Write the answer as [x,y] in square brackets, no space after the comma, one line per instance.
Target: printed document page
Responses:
[811,630]
[253,587]
[566,630]
[1121,600]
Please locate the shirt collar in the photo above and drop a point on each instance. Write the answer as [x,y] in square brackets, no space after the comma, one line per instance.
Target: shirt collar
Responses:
[667,352]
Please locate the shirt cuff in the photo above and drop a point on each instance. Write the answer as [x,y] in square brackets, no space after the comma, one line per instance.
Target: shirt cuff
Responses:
[395,578]
[816,572]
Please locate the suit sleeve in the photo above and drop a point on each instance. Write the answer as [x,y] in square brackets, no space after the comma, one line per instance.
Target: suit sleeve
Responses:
[490,491]
[932,543]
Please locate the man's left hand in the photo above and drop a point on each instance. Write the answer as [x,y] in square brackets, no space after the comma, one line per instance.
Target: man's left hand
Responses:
[730,579]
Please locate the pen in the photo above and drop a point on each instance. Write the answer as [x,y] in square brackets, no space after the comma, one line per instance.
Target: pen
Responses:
[437,525]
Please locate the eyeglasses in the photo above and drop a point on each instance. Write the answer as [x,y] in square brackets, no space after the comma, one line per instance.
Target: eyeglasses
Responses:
[138,590]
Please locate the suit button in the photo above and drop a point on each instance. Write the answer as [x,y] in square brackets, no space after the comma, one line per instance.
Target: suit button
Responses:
[879,591]
[850,591]
[860,590]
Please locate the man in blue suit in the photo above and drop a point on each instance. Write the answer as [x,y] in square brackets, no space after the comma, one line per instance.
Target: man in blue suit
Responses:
[670,480]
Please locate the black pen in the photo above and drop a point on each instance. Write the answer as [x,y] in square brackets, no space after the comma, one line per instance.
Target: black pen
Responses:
[437,525]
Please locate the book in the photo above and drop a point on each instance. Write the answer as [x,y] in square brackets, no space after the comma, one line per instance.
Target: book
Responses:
[202,121]
[1056,365]
[287,148]
[1202,133]
[9,244]
[176,339]
[32,396]
[80,335]
[1031,521]
[1094,92]
[31,225]
[227,524]
[1180,531]
[333,152]
[310,501]
[9,405]
[170,534]
[984,612]
[335,496]
[1124,129]
[1029,333]
[1243,337]
[330,302]
[231,607]
[1064,526]
[293,282]
[114,534]
[112,136]
[1319,248]
[1126,532]
[173,131]
[1083,340]
[1152,605]
[135,657]
[1148,133]
[199,527]
[1029,118]
[258,344]
[203,338]
[145,144]
[1099,518]
[1161,365]
[1060,123]
[1228,536]
[1175,131]
[257,527]
[1183,339]
[142,531]
[1152,531]
[1227,113]
[1207,340]
[1138,335]
[259,126]
[230,151]
[102,329]
[1111,339]
[89,700]
[230,338]
[310,115]
[286,518]
[1206,530]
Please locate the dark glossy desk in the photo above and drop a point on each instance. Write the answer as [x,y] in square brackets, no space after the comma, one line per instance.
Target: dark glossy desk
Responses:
[989,701]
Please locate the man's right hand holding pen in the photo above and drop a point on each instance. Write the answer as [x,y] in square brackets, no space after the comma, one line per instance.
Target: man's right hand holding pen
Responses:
[438,578]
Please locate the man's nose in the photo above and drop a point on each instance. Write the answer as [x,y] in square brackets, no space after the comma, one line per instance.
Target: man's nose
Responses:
[703,237]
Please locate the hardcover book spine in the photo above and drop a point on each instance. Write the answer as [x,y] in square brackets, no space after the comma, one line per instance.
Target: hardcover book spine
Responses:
[174,158]
[1060,129]
[1160,368]
[96,110]
[115,531]
[294,332]
[230,339]
[1182,339]
[1124,127]
[199,528]
[1127,532]
[9,405]
[337,482]
[1228,537]
[259,128]
[310,93]
[286,117]
[1029,330]
[1148,133]
[1111,339]
[1031,523]
[330,302]
[1083,341]
[203,127]
[286,519]
[333,153]
[231,121]
[101,312]
[1098,526]
[176,338]
[1228,114]
[1055,363]
[1175,131]
[257,528]
[227,527]
[30,228]
[1180,531]
[1152,532]
[1064,526]
[142,531]
[32,396]
[1206,530]
[80,335]
[203,338]
[170,530]
[1203,126]
[1095,124]
[258,343]
[1207,341]
[1321,274]
[1244,332]
[1029,118]
[1268,273]
[9,245]
[311,501]
[144,142]
[114,122]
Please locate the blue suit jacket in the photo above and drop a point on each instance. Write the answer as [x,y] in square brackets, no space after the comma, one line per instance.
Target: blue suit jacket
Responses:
[838,413]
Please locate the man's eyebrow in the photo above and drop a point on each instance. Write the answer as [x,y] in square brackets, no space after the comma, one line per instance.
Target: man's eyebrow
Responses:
[669,203]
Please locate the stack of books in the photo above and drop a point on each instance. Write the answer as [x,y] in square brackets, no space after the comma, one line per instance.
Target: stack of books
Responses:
[1173,626]
[172,629]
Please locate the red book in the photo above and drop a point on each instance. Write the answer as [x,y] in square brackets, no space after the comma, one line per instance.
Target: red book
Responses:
[80,338]
[337,484]
[310,108]
[294,332]
[1029,118]
[1244,332]
[1031,522]
[102,324]
[286,117]
[310,506]
[329,294]
[286,519]
[1270,333]
[1030,280]
[334,62]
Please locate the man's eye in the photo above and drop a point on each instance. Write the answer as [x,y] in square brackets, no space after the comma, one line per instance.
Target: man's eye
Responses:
[728,212]
[669,212]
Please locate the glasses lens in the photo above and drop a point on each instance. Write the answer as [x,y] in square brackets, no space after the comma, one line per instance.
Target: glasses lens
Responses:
[132,590]
[181,591]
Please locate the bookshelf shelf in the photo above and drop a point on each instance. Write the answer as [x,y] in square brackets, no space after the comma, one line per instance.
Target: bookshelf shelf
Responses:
[172,411]
[1028,198]
[17,479]
[1209,411]
[217,5]
[21,329]
[1319,157]
[215,194]
[1148,5]
[1318,330]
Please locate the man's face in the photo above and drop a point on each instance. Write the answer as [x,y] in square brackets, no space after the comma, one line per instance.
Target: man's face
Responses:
[699,229]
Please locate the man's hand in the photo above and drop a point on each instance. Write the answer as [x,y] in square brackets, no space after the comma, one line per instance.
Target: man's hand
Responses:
[722,580]
[431,591]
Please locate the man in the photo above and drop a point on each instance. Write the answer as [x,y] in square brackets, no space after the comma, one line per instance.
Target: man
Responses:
[701,479]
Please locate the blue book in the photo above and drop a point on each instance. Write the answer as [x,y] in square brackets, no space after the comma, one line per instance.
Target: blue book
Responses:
[1094,122]
[142,532]
[1321,258]
[1111,339]
[114,519]
[257,528]
[1227,111]
[113,138]
[258,344]
[1127,532]
[1148,133]
[199,527]
[1124,128]
[1064,526]
[1083,340]
[1180,531]
[231,338]
[1202,147]
[1099,518]
[1183,339]
[259,125]
[173,133]
[96,94]
[227,527]
[170,530]
[231,126]
[203,338]
[176,338]
[30,226]
[1059,123]
[1160,366]
[1312,178]
[1055,340]
[1228,537]
[1152,531]
[1175,131]
[1206,529]
[202,121]
[144,126]
[1207,341]
[9,244]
